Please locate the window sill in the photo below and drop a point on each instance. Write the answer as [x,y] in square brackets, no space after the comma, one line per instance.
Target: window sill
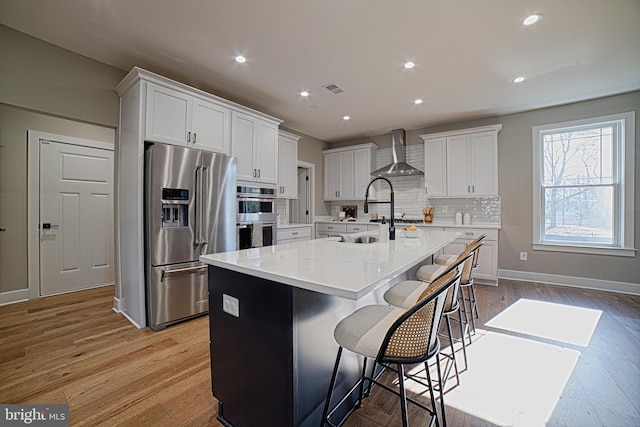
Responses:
[594,250]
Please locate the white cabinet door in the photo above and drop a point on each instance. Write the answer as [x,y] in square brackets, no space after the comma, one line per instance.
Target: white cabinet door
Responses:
[168,115]
[265,149]
[487,262]
[211,126]
[287,167]
[458,166]
[331,179]
[255,144]
[345,171]
[483,164]
[362,167]
[435,170]
[242,136]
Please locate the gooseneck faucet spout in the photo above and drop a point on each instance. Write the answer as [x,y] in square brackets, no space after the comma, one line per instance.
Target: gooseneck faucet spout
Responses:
[392,228]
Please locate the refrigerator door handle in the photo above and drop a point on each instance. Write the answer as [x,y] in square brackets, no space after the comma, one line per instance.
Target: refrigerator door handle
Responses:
[181,270]
[198,203]
[204,179]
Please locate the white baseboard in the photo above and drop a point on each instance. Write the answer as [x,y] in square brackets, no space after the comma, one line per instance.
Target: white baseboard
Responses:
[13,297]
[117,305]
[576,282]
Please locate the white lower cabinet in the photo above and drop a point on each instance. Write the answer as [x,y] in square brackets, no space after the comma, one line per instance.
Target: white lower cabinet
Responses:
[487,271]
[294,234]
[327,229]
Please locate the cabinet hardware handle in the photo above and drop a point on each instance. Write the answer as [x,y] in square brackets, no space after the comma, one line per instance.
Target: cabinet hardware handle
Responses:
[258,173]
[473,188]
[194,137]
[188,136]
[254,173]
[468,189]
[294,234]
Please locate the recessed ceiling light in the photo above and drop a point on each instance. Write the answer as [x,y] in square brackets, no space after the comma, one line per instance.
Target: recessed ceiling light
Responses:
[519,79]
[241,59]
[304,93]
[345,118]
[418,101]
[531,19]
[409,65]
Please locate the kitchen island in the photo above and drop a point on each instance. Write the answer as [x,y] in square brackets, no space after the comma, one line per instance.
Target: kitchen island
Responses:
[272,312]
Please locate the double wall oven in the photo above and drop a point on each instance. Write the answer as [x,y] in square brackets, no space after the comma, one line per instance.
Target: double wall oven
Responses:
[256,219]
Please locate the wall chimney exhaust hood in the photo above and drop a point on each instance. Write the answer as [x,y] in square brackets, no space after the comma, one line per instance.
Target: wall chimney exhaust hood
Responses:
[399,167]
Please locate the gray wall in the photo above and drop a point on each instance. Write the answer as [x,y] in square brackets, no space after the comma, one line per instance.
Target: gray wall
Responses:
[516,189]
[41,88]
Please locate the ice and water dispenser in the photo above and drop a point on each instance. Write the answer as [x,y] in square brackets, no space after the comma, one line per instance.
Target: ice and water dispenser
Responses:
[175,207]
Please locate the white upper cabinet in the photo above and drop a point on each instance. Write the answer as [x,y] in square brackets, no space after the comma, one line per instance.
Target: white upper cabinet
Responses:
[435,166]
[254,142]
[176,117]
[347,171]
[287,165]
[462,163]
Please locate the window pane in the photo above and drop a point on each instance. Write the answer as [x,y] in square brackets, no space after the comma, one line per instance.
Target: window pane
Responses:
[582,157]
[579,214]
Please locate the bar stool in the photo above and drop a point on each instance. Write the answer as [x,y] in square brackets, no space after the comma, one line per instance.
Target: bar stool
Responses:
[394,337]
[404,295]
[467,283]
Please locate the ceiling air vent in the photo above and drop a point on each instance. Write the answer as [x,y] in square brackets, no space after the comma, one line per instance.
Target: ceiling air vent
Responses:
[332,87]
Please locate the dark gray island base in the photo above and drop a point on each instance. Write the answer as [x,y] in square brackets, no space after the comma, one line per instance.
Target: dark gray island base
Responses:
[272,364]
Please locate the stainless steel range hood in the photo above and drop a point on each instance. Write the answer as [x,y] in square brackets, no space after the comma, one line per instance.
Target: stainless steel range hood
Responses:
[399,167]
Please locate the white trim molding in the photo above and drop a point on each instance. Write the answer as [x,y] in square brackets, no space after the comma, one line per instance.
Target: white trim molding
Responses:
[575,282]
[13,297]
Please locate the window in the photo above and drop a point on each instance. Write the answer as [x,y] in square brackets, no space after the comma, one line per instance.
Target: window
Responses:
[583,195]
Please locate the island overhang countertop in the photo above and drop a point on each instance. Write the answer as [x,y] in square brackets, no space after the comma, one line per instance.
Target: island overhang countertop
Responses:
[348,270]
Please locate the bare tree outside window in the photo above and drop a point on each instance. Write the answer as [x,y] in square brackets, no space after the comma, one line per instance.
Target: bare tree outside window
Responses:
[578,185]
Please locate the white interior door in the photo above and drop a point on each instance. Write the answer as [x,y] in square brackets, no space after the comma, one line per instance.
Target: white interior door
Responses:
[76,217]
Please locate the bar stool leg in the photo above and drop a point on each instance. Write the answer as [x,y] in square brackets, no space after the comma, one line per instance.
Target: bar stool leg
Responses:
[453,351]
[403,396]
[464,342]
[332,384]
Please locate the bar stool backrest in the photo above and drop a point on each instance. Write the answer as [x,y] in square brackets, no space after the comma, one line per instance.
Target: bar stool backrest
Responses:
[413,337]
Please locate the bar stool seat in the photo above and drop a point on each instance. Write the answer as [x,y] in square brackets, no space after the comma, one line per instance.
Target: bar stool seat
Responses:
[364,330]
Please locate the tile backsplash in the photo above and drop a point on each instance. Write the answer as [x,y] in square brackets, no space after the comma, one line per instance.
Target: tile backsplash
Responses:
[410,197]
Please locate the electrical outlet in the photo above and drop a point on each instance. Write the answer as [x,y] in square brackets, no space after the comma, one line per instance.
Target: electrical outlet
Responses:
[523,256]
[230,305]
[445,208]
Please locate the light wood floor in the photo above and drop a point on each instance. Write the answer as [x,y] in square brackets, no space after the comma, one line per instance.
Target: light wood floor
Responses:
[74,349]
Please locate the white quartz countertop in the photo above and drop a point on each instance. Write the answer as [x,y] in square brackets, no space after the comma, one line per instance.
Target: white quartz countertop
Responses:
[441,224]
[349,270]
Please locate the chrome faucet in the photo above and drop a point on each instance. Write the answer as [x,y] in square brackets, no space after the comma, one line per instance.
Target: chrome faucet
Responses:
[392,228]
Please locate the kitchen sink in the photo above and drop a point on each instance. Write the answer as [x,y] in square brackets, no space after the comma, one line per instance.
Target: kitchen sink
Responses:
[346,238]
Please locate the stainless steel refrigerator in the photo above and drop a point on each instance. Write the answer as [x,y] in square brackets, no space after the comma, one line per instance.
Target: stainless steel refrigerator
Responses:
[189,211]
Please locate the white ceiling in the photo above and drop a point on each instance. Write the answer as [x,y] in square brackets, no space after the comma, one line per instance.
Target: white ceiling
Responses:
[466,52]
